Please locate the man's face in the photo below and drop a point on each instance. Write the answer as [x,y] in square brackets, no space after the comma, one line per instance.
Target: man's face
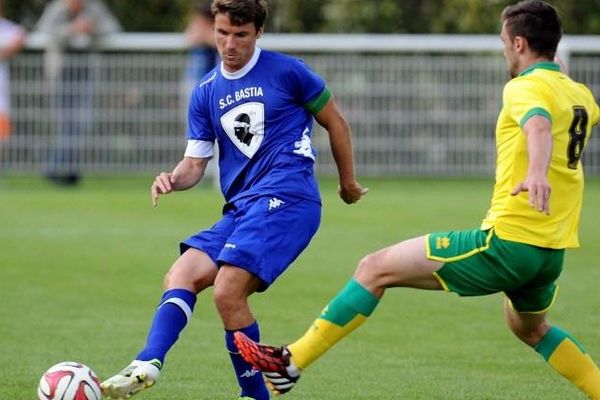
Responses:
[510,52]
[235,44]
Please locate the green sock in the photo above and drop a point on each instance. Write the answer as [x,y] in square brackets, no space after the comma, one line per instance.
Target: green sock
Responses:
[347,311]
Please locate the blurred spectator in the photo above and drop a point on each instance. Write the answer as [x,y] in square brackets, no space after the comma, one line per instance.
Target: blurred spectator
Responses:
[74,28]
[203,57]
[200,37]
[12,39]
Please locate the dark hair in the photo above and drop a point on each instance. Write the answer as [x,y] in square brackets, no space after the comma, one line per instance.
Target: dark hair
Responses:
[537,22]
[241,12]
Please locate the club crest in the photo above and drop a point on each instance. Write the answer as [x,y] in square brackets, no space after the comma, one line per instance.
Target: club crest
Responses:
[245,127]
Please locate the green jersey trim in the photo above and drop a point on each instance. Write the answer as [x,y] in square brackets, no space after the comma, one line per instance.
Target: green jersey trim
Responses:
[544,310]
[316,105]
[535,111]
[549,65]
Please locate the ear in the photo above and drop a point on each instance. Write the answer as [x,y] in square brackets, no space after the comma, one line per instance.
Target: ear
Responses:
[260,32]
[520,44]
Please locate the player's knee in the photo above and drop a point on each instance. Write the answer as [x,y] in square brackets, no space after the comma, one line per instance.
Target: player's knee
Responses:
[371,271]
[530,334]
[185,278]
[224,299]
[366,266]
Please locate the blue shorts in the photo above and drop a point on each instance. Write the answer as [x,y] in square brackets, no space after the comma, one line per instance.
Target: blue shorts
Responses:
[263,235]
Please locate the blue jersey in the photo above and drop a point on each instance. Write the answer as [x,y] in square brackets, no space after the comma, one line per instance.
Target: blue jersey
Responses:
[261,117]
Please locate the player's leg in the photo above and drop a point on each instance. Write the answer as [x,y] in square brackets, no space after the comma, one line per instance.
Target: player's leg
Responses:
[269,237]
[558,348]
[233,285]
[525,311]
[457,261]
[69,104]
[193,271]
[404,264]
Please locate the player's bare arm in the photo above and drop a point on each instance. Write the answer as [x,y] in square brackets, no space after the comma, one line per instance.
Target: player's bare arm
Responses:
[332,119]
[186,174]
[538,131]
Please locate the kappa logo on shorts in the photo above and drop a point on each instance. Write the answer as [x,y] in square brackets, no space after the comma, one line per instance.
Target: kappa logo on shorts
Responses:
[442,243]
[274,203]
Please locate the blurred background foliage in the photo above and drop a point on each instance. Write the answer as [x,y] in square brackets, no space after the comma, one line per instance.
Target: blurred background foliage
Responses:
[337,16]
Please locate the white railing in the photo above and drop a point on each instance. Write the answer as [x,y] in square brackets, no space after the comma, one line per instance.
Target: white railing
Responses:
[417,104]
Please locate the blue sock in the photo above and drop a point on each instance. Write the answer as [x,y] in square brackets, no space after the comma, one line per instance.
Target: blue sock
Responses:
[171,316]
[249,378]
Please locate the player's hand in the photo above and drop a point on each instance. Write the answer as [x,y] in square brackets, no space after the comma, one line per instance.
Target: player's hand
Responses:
[352,192]
[161,185]
[539,193]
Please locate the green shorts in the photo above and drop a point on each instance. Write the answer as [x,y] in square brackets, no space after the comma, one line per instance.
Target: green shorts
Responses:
[477,263]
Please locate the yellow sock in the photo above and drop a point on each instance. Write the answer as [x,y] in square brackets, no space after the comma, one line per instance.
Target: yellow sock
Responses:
[346,312]
[319,338]
[569,359]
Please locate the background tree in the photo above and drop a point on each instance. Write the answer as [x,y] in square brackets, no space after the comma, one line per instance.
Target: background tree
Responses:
[351,16]
[152,15]
[134,16]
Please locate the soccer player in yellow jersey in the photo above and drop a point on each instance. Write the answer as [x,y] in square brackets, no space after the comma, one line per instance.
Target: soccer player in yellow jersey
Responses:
[545,122]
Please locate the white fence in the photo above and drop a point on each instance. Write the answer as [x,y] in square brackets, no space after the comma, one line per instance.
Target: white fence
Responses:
[417,105]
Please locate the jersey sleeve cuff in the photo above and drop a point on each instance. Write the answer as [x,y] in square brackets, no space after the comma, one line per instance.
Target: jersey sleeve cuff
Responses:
[535,111]
[199,149]
[316,105]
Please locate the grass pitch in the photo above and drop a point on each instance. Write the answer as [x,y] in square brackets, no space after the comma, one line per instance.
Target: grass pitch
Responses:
[81,272]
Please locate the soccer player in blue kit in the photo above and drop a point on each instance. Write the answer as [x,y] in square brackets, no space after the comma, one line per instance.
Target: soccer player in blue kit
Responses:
[258,106]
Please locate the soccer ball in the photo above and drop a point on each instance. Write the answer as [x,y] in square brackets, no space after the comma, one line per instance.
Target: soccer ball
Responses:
[69,381]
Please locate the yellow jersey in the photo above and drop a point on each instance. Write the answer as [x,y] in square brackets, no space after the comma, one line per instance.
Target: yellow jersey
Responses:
[542,90]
